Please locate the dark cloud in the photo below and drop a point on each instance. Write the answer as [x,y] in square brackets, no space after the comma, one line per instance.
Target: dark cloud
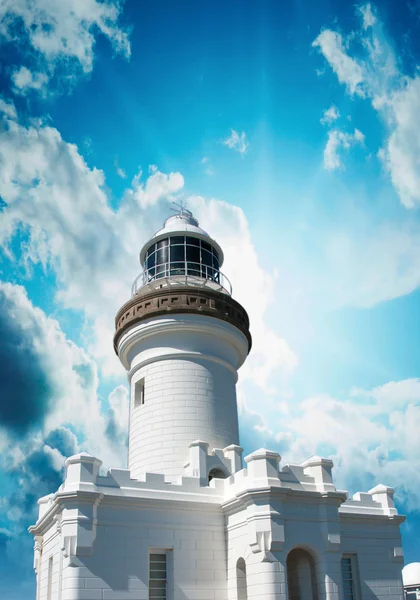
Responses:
[63,440]
[25,388]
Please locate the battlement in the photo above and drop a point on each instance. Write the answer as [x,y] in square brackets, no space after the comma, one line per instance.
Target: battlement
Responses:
[217,478]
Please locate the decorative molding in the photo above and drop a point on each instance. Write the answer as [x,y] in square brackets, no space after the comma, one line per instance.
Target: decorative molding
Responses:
[187,300]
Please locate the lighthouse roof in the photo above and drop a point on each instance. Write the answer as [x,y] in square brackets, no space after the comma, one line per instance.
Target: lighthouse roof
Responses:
[182,223]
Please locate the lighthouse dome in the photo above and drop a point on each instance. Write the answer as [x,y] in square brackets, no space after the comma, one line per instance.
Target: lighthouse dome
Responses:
[182,223]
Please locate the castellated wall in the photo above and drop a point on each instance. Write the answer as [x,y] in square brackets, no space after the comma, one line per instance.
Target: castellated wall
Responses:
[261,527]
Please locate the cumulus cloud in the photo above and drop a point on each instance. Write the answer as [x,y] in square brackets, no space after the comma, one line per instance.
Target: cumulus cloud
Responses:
[237,142]
[26,388]
[50,409]
[50,382]
[271,355]
[53,34]
[93,249]
[369,434]
[337,141]
[375,75]
[330,115]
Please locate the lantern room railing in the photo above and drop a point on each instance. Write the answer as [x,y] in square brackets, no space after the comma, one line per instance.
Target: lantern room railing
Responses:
[182,273]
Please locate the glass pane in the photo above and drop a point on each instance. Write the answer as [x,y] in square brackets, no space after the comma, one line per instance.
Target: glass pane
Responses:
[157,594]
[206,246]
[177,253]
[193,241]
[162,243]
[151,250]
[162,256]
[158,558]
[193,254]
[157,570]
[158,583]
[194,269]
[150,262]
[212,274]
[177,239]
[177,268]
[150,274]
[161,271]
[206,258]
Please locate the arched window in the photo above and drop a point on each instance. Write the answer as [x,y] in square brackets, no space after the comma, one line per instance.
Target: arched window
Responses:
[241,579]
[301,576]
[217,474]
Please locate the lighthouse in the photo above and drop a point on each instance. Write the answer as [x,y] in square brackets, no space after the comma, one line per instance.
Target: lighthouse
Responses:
[182,338]
[190,518]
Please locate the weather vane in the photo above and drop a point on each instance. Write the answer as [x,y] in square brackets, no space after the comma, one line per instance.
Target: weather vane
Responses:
[181,208]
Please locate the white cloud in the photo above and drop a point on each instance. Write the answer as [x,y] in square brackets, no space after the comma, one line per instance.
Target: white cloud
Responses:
[347,69]
[93,249]
[392,94]
[237,142]
[120,172]
[59,32]
[368,17]
[338,140]
[358,262]
[370,435]
[330,115]
[8,109]
[271,355]
[24,80]
[402,150]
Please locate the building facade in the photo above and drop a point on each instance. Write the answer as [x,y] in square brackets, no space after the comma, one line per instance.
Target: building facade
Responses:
[186,520]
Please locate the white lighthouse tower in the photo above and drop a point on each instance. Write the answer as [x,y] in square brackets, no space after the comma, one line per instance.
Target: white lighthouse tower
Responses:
[186,521]
[182,339]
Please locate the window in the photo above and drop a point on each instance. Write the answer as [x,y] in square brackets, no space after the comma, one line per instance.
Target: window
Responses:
[349,574]
[158,576]
[179,255]
[139,393]
[49,580]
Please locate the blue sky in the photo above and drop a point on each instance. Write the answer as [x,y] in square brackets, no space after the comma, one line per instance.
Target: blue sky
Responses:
[292,131]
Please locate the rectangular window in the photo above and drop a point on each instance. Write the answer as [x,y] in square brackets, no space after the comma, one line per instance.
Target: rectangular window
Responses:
[49,580]
[349,575]
[158,583]
[139,393]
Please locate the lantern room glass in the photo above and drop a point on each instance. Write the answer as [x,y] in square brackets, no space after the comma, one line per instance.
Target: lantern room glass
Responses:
[182,255]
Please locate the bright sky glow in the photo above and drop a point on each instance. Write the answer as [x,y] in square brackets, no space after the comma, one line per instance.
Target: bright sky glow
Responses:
[292,130]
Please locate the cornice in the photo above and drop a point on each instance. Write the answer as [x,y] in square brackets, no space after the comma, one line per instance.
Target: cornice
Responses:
[183,300]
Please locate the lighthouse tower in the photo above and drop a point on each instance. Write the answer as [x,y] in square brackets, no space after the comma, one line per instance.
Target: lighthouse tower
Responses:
[182,338]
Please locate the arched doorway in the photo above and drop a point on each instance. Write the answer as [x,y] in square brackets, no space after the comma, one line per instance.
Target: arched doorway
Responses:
[241,579]
[301,576]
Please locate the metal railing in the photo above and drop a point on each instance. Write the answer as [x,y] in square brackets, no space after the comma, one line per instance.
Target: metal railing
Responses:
[182,273]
